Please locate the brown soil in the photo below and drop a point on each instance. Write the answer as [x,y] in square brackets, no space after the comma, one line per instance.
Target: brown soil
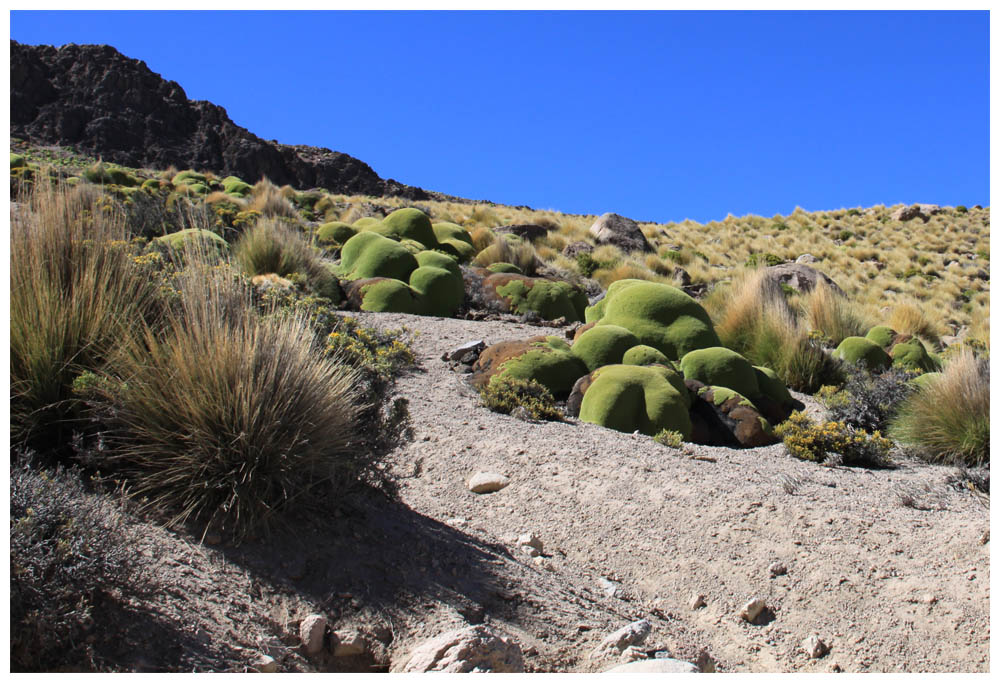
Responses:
[888,586]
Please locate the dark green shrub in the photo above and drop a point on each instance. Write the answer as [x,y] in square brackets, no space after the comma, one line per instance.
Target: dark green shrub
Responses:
[587,264]
[768,259]
[869,399]
[70,553]
[961,209]
[844,235]
[505,394]
[833,442]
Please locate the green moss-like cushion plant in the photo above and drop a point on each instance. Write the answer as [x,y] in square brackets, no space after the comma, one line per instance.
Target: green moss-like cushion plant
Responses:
[18,161]
[926,381]
[722,367]
[455,240]
[644,355]
[102,174]
[366,223]
[408,223]
[386,295]
[548,361]
[501,267]
[770,385]
[334,233]
[603,345]
[441,291]
[881,335]
[369,254]
[659,315]
[178,240]
[436,259]
[189,178]
[549,299]
[151,185]
[913,355]
[631,397]
[235,186]
[858,349]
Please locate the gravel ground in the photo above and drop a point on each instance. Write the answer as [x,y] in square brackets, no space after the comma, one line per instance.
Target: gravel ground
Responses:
[889,587]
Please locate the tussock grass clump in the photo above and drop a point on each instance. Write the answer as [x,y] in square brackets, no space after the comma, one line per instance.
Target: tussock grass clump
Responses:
[835,316]
[227,415]
[908,318]
[271,201]
[504,250]
[76,291]
[69,549]
[272,246]
[948,420]
[482,238]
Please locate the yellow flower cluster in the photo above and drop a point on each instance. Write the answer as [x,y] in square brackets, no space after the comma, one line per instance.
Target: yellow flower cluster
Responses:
[813,442]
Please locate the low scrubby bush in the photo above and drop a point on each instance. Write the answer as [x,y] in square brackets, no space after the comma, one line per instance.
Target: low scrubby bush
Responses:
[833,442]
[669,437]
[69,551]
[505,394]
[948,421]
[870,399]
[377,355]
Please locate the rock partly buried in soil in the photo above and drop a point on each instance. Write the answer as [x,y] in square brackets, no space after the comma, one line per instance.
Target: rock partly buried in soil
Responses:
[619,231]
[814,647]
[471,649]
[753,609]
[312,633]
[487,482]
[348,644]
[627,636]
[265,664]
[654,666]
[800,277]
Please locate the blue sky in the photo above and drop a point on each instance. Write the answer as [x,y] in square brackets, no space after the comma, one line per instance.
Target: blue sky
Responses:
[655,115]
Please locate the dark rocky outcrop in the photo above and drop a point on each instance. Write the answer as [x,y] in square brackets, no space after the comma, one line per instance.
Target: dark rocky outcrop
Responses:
[100,102]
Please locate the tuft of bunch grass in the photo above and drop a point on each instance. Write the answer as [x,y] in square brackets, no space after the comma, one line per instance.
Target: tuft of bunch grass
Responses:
[835,316]
[76,291]
[227,415]
[948,421]
[907,318]
[271,201]
[272,246]
[504,250]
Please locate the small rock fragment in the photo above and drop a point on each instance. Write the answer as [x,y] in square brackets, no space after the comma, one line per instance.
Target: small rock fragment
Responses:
[632,654]
[928,599]
[472,347]
[487,482]
[475,648]
[610,588]
[697,601]
[705,662]
[530,540]
[627,636]
[312,630]
[265,664]
[814,647]
[348,644]
[777,569]
[752,609]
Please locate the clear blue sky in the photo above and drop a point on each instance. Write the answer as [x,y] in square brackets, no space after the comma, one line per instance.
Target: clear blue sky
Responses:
[655,115]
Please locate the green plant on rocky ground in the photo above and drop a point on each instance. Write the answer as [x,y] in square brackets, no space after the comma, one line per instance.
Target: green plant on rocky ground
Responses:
[377,354]
[870,399]
[506,394]
[669,437]
[272,246]
[833,442]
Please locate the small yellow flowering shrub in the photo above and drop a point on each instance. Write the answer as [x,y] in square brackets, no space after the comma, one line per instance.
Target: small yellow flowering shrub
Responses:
[825,442]
[378,354]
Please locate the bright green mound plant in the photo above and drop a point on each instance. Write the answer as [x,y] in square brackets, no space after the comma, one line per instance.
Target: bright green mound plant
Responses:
[551,363]
[408,223]
[390,296]
[103,174]
[440,291]
[334,233]
[501,267]
[549,299]
[455,240]
[913,355]
[437,259]
[179,240]
[192,189]
[18,161]
[505,394]
[659,315]
[926,380]
[881,335]
[603,345]
[722,394]
[369,254]
[366,223]
[644,355]
[628,398]
[858,349]
[719,366]
[235,186]
[189,178]
[770,385]
[151,185]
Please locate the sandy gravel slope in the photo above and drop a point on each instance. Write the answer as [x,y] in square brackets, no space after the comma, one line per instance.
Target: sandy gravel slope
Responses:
[888,587]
